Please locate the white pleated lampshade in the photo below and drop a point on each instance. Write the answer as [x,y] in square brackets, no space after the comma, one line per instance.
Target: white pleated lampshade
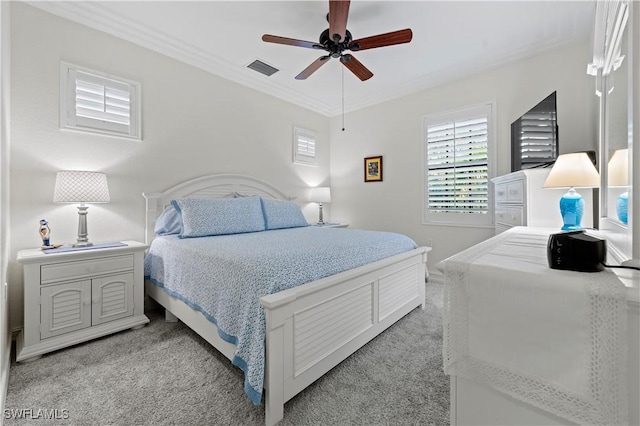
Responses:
[75,186]
[573,170]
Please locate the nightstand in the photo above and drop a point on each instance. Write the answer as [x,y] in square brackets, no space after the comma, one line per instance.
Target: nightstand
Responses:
[331,225]
[72,297]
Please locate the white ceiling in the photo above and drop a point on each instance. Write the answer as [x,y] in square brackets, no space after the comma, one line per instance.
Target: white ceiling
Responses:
[451,39]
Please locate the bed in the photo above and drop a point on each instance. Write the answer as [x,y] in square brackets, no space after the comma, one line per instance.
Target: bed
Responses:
[305,330]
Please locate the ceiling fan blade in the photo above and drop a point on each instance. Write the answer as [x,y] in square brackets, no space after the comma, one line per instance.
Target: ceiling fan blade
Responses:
[356,67]
[338,14]
[291,41]
[381,40]
[313,67]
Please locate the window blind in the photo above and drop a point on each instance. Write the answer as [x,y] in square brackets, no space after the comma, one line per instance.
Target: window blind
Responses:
[304,146]
[102,99]
[457,167]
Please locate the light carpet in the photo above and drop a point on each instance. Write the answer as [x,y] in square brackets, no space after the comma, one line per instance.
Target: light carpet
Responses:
[164,374]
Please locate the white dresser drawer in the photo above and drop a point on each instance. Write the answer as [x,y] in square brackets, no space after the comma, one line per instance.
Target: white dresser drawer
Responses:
[510,216]
[515,191]
[501,192]
[79,269]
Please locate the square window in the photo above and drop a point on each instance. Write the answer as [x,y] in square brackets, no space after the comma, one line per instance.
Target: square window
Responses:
[94,102]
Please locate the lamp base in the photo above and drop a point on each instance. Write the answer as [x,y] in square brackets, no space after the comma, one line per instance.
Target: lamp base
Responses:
[82,241]
[320,219]
[571,210]
[82,244]
[622,207]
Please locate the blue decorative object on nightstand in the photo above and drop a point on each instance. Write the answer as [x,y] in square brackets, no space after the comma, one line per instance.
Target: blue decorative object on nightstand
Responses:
[44,232]
[622,207]
[570,171]
[571,209]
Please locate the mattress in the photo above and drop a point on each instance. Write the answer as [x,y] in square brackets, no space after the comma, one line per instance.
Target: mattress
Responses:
[224,276]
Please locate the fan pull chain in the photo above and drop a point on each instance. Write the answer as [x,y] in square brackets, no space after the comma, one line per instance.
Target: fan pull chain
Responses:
[342,98]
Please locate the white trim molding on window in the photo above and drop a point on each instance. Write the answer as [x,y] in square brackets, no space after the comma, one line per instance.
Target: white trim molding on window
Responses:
[458,161]
[304,147]
[95,102]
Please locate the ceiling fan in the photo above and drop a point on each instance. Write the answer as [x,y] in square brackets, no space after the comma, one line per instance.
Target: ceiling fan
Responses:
[336,39]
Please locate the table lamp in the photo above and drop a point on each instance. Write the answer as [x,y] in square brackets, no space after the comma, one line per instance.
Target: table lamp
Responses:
[74,186]
[572,171]
[618,175]
[320,194]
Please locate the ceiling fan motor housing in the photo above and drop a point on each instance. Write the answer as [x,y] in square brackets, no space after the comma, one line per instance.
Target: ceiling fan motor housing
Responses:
[335,49]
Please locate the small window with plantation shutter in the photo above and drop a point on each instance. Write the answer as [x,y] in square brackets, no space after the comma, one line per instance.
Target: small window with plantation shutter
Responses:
[304,146]
[458,162]
[91,101]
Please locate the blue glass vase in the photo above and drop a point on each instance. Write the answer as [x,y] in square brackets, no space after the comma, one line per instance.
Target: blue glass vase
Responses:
[571,210]
[622,207]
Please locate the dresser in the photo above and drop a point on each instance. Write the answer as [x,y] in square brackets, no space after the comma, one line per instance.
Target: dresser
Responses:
[520,200]
[530,345]
[71,297]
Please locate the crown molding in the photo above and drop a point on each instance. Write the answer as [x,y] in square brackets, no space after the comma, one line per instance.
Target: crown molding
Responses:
[96,16]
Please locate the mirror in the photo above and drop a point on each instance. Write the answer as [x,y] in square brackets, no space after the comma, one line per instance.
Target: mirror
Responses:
[612,68]
[616,135]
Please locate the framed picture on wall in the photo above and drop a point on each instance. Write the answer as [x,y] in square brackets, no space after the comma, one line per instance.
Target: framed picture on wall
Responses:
[373,169]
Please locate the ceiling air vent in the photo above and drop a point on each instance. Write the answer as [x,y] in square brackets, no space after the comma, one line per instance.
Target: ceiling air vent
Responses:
[262,68]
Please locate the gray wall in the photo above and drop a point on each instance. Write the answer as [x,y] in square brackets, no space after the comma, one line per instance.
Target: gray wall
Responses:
[5,335]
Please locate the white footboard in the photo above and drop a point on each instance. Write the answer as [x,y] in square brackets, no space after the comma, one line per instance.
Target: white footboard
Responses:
[312,328]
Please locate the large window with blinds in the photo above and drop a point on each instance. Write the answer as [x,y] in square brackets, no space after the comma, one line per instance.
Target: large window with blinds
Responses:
[91,101]
[458,163]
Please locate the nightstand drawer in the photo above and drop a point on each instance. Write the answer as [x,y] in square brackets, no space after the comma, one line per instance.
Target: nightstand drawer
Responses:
[73,270]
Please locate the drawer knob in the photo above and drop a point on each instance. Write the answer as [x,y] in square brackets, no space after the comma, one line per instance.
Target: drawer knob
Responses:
[87,301]
[96,300]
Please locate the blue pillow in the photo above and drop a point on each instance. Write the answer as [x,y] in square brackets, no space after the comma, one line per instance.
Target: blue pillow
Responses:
[280,214]
[219,216]
[168,222]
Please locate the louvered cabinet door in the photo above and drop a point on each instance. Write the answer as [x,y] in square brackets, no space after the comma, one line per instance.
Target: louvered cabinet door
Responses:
[112,298]
[65,308]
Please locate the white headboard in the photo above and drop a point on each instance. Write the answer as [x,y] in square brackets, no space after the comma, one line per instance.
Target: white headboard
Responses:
[210,186]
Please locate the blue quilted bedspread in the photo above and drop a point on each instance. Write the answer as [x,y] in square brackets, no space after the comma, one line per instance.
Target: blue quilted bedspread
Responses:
[225,276]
